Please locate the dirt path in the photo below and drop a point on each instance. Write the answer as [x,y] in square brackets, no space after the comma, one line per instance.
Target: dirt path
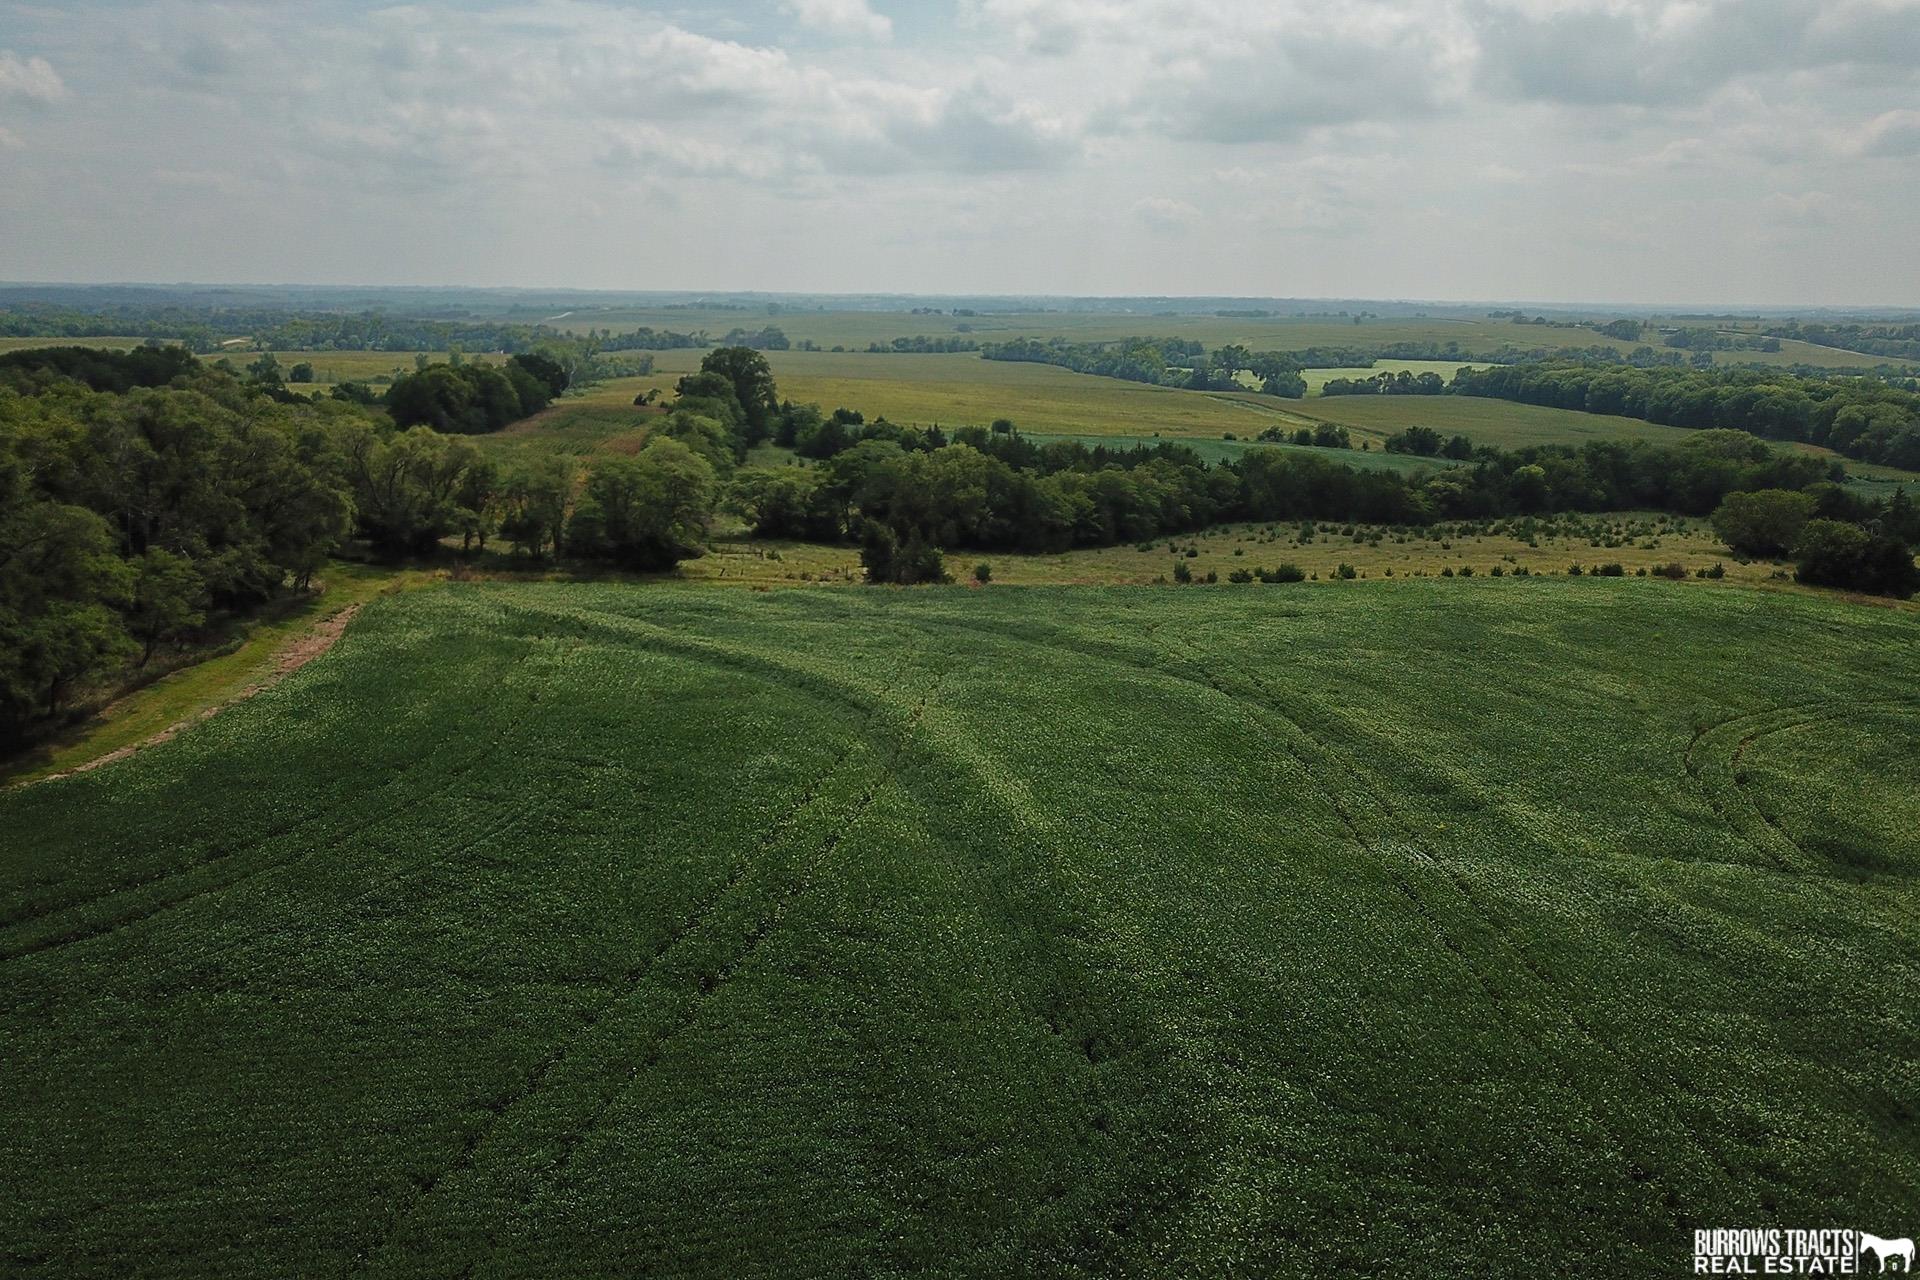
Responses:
[297,653]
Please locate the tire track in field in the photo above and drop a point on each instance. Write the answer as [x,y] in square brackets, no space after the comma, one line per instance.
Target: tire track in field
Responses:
[1318,773]
[293,856]
[709,984]
[1712,760]
[705,984]
[1510,943]
[162,875]
[1135,660]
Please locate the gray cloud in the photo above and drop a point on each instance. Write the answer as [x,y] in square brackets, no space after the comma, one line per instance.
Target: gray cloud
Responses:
[1561,147]
[1657,54]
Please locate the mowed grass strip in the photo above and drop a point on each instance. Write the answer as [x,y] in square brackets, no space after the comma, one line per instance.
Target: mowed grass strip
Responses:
[593,929]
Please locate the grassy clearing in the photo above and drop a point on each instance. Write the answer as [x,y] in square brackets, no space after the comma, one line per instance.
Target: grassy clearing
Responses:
[1484,421]
[330,367]
[1222,450]
[1318,378]
[964,390]
[1634,540]
[590,929]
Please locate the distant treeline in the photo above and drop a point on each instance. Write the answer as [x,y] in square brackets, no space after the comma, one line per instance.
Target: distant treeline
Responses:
[907,496]
[923,345]
[977,488]
[1895,341]
[1178,362]
[204,331]
[1861,417]
[1400,383]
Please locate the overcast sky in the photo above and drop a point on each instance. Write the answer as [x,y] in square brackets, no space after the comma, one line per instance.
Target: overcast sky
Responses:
[1740,151]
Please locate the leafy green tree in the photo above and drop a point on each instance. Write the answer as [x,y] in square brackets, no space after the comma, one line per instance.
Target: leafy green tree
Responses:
[1833,553]
[1766,522]
[266,371]
[535,501]
[647,512]
[786,502]
[167,600]
[300,373]
[406,486]
[751,378]
[61,586]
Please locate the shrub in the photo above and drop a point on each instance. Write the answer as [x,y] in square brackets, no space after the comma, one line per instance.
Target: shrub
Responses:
[1285,573]
[1834,553]
[983,573]
[1676,571]
[1347,573]
[1765,522]
[1181,573]
[1611,570]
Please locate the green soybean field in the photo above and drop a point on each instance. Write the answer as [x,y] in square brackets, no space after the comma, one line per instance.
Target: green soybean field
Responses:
[1472,927]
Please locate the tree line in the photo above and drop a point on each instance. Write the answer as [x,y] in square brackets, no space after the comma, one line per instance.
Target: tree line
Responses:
[133,505]
[978,489]
[146,494]
[1863,418]
[1893,341]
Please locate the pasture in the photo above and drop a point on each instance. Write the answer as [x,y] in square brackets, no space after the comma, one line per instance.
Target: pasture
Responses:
[1437,926]
[1504,423]
[1318,378]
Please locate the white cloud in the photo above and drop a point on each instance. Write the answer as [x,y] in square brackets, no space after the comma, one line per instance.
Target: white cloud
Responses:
[1163,213]
[1894,133]
[854,19]
[33,79]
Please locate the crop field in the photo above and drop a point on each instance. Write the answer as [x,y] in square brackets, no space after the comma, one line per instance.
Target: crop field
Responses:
[603,929]
[964,390]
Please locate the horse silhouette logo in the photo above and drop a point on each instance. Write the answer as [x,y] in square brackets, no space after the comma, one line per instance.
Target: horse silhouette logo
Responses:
[1900,1247]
